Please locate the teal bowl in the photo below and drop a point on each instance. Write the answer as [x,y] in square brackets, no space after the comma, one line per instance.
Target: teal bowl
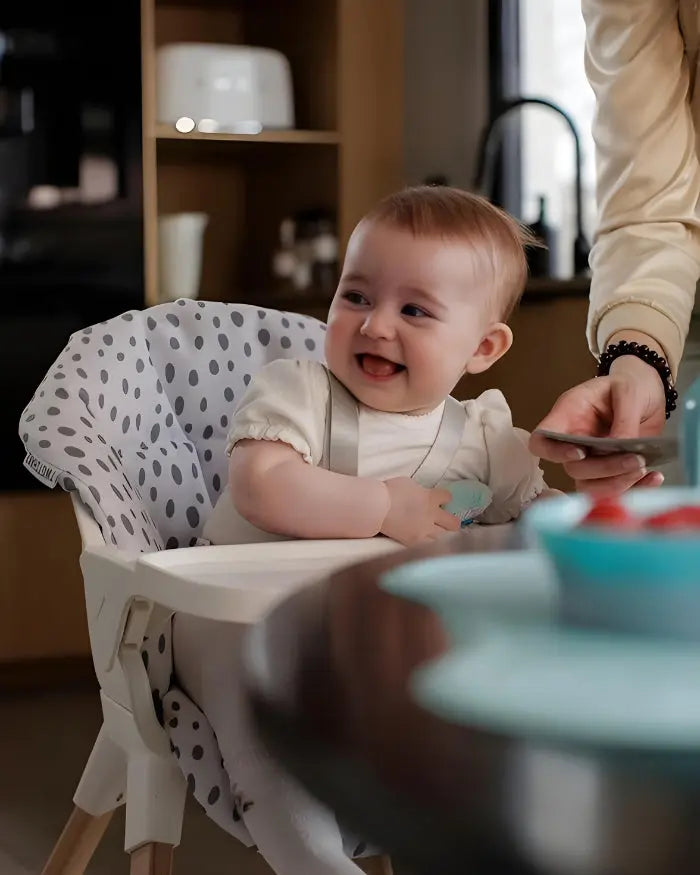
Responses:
[468,590]
[642,582]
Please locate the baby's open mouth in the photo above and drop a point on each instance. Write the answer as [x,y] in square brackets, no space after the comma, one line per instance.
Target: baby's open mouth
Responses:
[377,366]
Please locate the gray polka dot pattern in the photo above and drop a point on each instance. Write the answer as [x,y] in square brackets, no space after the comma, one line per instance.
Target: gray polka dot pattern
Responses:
[162,391]
[194,743]
[134,415]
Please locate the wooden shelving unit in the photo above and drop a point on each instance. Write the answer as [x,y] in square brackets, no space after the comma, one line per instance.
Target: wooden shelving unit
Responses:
[347,64]
[165,132]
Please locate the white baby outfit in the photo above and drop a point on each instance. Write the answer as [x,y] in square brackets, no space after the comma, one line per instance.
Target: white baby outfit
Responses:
[294,401]
[288,401]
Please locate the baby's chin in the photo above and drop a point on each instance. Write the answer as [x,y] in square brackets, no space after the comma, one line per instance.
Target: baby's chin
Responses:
[383,401]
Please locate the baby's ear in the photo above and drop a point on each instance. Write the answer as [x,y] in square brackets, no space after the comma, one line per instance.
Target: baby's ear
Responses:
[494,344]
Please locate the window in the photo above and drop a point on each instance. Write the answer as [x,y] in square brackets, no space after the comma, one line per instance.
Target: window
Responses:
[538,48]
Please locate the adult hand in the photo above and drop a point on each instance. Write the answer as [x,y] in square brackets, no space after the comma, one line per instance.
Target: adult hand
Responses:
[630,402]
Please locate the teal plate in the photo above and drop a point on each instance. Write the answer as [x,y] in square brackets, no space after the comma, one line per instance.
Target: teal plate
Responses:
[464,590]
[573,687]
[514,669]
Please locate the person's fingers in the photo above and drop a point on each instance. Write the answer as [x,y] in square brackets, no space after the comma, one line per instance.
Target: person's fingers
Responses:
[628,408]
[554,451]
[570,406]
[583,409]
[610,486]
[652,479]
[599,467]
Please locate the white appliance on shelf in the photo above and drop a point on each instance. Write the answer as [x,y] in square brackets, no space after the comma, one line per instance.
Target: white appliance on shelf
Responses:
[228,88]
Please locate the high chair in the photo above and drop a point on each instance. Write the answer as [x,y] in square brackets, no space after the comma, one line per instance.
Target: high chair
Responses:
[132,420]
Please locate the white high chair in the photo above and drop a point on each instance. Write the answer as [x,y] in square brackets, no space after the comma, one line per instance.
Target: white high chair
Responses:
[125,401]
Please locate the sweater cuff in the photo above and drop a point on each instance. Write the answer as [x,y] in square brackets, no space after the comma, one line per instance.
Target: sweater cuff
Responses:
[634,316]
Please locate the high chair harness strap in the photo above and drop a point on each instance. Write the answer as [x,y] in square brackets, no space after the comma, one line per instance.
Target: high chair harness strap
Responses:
[342,430]
[449,436]
[342,437]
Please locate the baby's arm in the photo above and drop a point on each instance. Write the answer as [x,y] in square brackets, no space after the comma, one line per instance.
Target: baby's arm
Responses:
[277,491]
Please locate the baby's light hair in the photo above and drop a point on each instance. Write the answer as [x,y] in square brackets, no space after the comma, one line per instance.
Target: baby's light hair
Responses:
[496,238]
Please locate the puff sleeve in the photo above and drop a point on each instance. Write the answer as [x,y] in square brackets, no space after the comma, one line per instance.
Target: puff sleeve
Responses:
[286,401]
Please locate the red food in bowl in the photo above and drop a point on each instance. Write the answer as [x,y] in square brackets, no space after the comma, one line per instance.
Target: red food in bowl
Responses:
[610,513]
[680,518]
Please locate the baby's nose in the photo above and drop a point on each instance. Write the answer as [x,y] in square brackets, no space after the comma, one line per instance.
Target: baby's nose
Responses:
[379,324]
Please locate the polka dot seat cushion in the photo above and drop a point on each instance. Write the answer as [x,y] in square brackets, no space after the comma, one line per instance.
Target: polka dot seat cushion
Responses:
[134,415]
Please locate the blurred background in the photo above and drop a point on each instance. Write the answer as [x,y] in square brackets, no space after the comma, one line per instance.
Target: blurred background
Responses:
[76,230]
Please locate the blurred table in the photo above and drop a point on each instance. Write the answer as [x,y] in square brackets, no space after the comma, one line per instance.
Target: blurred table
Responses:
[328,676]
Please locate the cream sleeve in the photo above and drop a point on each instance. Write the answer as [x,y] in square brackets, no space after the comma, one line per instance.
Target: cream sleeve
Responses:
[646,255]
[511,472]
[285,401]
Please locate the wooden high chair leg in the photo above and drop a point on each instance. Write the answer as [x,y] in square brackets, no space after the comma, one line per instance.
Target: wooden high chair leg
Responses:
[376,865]
[154,858]
[76,844]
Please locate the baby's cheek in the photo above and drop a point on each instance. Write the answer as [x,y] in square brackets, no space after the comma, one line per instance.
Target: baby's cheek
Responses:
[331,343]
[429,362]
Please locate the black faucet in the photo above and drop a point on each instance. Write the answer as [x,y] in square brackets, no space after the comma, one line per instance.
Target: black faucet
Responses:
[487,156]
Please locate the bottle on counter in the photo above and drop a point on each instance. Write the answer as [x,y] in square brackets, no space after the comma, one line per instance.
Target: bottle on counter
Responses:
[542,259]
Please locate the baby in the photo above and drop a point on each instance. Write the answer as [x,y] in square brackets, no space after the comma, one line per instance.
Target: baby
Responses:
[358,447]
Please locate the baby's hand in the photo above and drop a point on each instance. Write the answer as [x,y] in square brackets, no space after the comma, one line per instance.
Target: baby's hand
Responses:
[415,514]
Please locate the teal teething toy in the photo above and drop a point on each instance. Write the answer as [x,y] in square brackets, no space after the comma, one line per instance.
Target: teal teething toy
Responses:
[470,498]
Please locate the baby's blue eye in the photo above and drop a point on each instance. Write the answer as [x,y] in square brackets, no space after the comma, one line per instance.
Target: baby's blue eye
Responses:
[412,310]
[355,298]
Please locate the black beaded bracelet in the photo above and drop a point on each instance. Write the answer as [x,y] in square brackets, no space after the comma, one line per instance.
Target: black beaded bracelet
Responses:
[642,351]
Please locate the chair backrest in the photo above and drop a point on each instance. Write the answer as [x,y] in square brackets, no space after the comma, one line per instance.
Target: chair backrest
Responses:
[135,411]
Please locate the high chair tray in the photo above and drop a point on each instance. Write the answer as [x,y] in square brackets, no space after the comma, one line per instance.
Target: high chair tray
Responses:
[241,582]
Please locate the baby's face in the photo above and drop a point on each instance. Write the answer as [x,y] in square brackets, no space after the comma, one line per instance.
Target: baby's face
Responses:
[406,319]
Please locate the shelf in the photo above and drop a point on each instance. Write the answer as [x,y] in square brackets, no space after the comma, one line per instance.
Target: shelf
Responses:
[346,59]
[167,132]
